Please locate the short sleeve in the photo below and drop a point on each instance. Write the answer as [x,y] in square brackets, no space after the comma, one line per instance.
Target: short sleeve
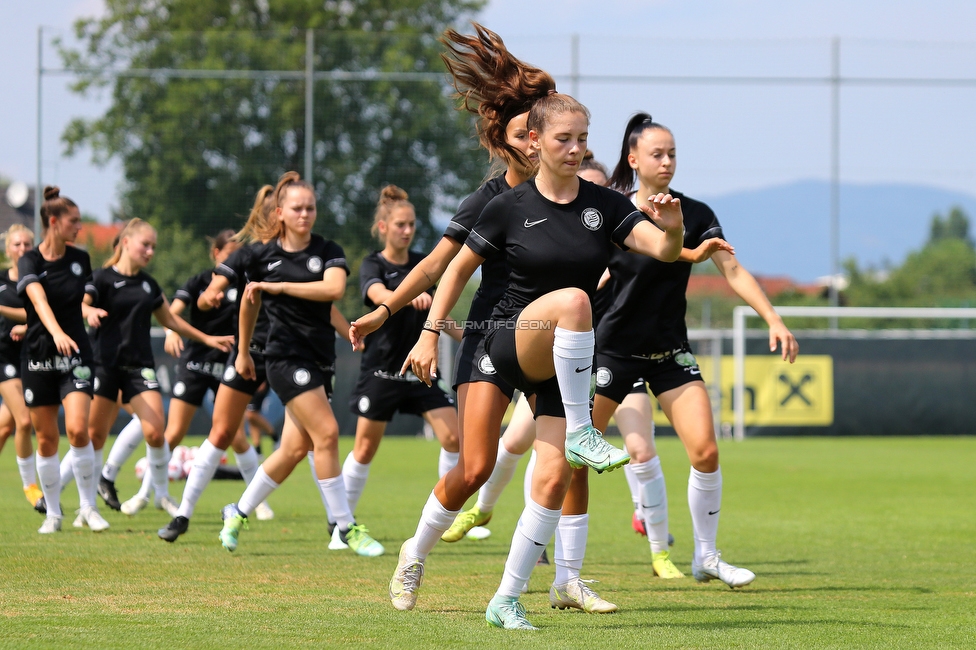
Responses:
[157,294]
[233,268]
[336,257]
[622,216]
[487,238]
[92,288]
[710,227]
[370,273]
[27,271]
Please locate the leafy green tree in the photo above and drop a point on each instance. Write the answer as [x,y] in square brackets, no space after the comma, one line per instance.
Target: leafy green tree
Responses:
[954,226]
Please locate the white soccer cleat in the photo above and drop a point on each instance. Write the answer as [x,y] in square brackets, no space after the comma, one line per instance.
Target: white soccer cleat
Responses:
[79,521]
[52,524]
[714,568]
[167,503]
[134,505]
[264,512]
[578,595]
[406,580]
[94,519]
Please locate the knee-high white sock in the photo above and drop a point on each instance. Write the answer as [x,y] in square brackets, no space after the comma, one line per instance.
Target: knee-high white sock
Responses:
[201,473]
[26,468]
[572,354]
[633,484]
[446,461]
[505,466]
[247,462]
[67,469]
[534,530]
[434,520]
[653,505]
[354,475]
[571,533]
[99,458]
[527,480]
[315,479]
[49,473]
[128,440]
[705,501]
[256,492]
[145,490]
[159,470]
[83,463]
[334,493]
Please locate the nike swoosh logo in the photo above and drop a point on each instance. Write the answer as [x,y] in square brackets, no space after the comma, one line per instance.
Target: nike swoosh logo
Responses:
[392,275]
[272,265]
[119,284]
[529,224]
[538,544]
[713,512]
[584,369]
[85,478]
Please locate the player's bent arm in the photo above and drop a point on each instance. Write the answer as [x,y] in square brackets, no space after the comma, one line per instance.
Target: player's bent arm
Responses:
[423,276]
[177,306]
[453,281]
[377,294]
[648,240]
[38,297]
[245,322]
[15,314]
[339,323]
[210,298]
[169,320]
[330,288]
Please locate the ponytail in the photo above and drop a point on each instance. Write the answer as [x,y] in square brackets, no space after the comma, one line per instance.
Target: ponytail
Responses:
[622,178]
[273,228]
[54,205]
[132,226]
[259,216]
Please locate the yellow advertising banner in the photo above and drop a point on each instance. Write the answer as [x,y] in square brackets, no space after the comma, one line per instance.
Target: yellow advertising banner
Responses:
[777,393]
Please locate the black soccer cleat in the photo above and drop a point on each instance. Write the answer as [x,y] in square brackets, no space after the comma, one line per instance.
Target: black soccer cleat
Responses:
[106,490]
[41,506]
[176,527]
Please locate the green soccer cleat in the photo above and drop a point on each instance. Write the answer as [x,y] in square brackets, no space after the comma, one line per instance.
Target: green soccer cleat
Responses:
[234,520]
[406,581]
[587,448]
[358,539]
[465,521]
[664,567]
[507,613]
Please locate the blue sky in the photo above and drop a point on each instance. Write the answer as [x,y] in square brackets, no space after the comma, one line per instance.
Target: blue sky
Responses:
[729,138]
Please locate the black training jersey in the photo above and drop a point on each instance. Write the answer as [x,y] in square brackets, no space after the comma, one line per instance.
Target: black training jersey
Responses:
[387,347]
[215,322]
[648,311]
[234,268]
[9,348]
[494,270]
[122,339]
[64,282]
[552,246]
[299,328]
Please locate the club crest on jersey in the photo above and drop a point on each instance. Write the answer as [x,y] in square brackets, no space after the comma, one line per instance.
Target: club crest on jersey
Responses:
[591,218]
[29,396]
[302,377]
[146,287]
[76,268]
[314,264]
[231,294]
[485,365]
[97,383]
[9,370]
[230,372]
[363,404]
[179,388]
[603,376]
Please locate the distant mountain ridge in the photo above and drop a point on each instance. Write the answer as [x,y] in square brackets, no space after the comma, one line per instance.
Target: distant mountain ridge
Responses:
[785,229]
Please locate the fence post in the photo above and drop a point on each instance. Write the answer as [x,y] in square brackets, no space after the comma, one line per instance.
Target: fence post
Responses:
[309,100]
[38,189]
[739,354]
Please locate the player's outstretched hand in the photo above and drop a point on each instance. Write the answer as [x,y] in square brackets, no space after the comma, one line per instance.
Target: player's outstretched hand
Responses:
[423,358]
[780,336]
[366,325]
[709,247]
[665,211]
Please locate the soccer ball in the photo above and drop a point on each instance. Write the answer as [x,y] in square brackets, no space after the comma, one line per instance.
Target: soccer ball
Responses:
[142,466]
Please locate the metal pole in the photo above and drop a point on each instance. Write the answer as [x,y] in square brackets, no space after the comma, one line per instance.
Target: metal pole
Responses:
[309,100]
[834,176]
[38,189]
[739,370]
[574,65]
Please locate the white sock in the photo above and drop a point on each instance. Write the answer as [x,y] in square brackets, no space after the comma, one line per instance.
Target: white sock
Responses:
[145,490]
[334,493]
[505,466]
[572,355]
[26,468]
[247,462]
[534,530]
[159,469]
[434,520]
[633,484]
[446,462]
[704,501]
[201,473]
[571,533]
[49,474]
[256,492]
[315,479]
[354,475]
[99,458]
[83,463]
[128,440]
[67,469]
[527,480]
[653,495]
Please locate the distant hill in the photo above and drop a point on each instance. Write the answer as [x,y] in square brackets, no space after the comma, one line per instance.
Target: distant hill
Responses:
[785,230]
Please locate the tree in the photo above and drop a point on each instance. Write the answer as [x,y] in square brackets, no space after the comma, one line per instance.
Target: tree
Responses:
[954,226]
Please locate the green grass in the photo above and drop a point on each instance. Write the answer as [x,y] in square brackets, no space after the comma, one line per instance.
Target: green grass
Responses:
[856,542]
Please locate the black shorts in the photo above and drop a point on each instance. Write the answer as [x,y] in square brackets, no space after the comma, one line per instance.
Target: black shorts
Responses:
[500,345]
[472,364]
[9,370]
[257,400]
[616,376]
[48,382]
[291,376]
[378,396]
[131,381]
[195,378]
[233,380]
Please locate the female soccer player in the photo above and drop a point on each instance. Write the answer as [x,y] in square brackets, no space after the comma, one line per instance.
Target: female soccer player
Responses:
[126,298]
[643,335]
[556,232]
[14,416]
[381,391]
[295,276]
[56,365]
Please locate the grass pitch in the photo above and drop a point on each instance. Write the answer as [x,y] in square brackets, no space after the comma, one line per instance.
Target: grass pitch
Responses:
[856,543]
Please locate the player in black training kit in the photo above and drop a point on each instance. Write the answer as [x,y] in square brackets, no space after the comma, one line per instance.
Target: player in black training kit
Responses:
[14,416]
[381,390]
[557,233]
[295,276]
[644,335]
[125,298]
